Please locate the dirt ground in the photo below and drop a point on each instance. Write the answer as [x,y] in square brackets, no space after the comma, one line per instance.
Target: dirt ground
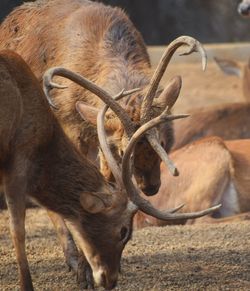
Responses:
[200,257]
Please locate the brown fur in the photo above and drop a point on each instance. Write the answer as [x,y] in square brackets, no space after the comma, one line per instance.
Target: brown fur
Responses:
[38,160]
[209,168]
[228,121]
[100,43]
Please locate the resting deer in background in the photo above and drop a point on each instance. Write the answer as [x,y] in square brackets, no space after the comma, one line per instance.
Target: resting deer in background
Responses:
[231,67]
[228,121]
[39,161]
[212,171]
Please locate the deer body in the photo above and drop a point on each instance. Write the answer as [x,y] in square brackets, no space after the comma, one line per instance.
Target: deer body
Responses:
[228,121]
[211,171]
[37,160]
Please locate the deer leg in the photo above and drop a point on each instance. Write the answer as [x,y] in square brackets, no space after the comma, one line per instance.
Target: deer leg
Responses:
[66,240]
[84,273]
[75,260]
[16,206]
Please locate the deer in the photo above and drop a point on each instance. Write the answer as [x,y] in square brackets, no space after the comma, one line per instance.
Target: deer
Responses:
[228,121]
[100,43]
[212,171]
[232,67]
[39,161]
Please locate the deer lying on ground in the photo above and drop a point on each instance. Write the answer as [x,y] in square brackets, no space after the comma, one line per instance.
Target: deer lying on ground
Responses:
[228,121]
[38,160]
[212,171]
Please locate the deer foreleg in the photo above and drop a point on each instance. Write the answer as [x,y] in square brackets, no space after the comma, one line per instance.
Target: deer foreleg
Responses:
[16,206]
[66,240]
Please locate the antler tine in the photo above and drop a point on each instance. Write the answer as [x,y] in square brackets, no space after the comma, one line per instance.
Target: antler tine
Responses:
[47,86]
[103,140]
[101,93]
[193,45]
[171,93]
[152,139]
[143,204]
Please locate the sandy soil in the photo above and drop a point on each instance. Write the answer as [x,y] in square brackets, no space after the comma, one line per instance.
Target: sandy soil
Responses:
[211,257]
[208,257]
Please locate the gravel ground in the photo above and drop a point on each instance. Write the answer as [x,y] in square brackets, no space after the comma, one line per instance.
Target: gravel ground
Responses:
[200,257]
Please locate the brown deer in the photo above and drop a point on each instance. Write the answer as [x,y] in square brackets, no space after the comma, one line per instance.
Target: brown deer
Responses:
[231,67]
[100,43]
[212,171]
[38,160]
[228,121]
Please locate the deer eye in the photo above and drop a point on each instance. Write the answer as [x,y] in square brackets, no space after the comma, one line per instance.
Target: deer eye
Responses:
[123,233]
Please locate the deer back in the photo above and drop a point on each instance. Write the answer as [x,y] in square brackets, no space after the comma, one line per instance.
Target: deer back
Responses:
[228,121]
[27,109]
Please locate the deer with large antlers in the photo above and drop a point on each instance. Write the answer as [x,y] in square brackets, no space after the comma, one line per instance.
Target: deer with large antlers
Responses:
[39,161]
[100,43]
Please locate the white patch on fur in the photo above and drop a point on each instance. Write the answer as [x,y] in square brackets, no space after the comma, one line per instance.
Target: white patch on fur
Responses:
[131,207]
[97,275]
[229,201]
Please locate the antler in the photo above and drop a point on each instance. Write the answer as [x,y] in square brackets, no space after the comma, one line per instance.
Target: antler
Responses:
[126,174]
[129,126]
[193,45]
[115,169]
[107,152]
[132,191]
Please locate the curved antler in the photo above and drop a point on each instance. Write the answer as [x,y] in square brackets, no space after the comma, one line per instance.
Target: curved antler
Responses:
[193,45]
[132,192]
[114,167]
[101,93]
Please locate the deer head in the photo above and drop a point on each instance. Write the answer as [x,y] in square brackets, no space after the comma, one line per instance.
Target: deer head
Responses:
[150,150]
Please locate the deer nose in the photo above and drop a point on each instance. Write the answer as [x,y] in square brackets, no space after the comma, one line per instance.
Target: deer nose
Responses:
[150,190]
[108,283]
[244,9]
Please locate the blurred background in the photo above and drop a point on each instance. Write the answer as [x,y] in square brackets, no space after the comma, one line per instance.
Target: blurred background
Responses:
[160,21]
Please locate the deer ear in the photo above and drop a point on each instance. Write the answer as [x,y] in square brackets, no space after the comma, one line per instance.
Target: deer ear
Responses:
[170,94]
[87,112]
[96,202]
[229,67]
